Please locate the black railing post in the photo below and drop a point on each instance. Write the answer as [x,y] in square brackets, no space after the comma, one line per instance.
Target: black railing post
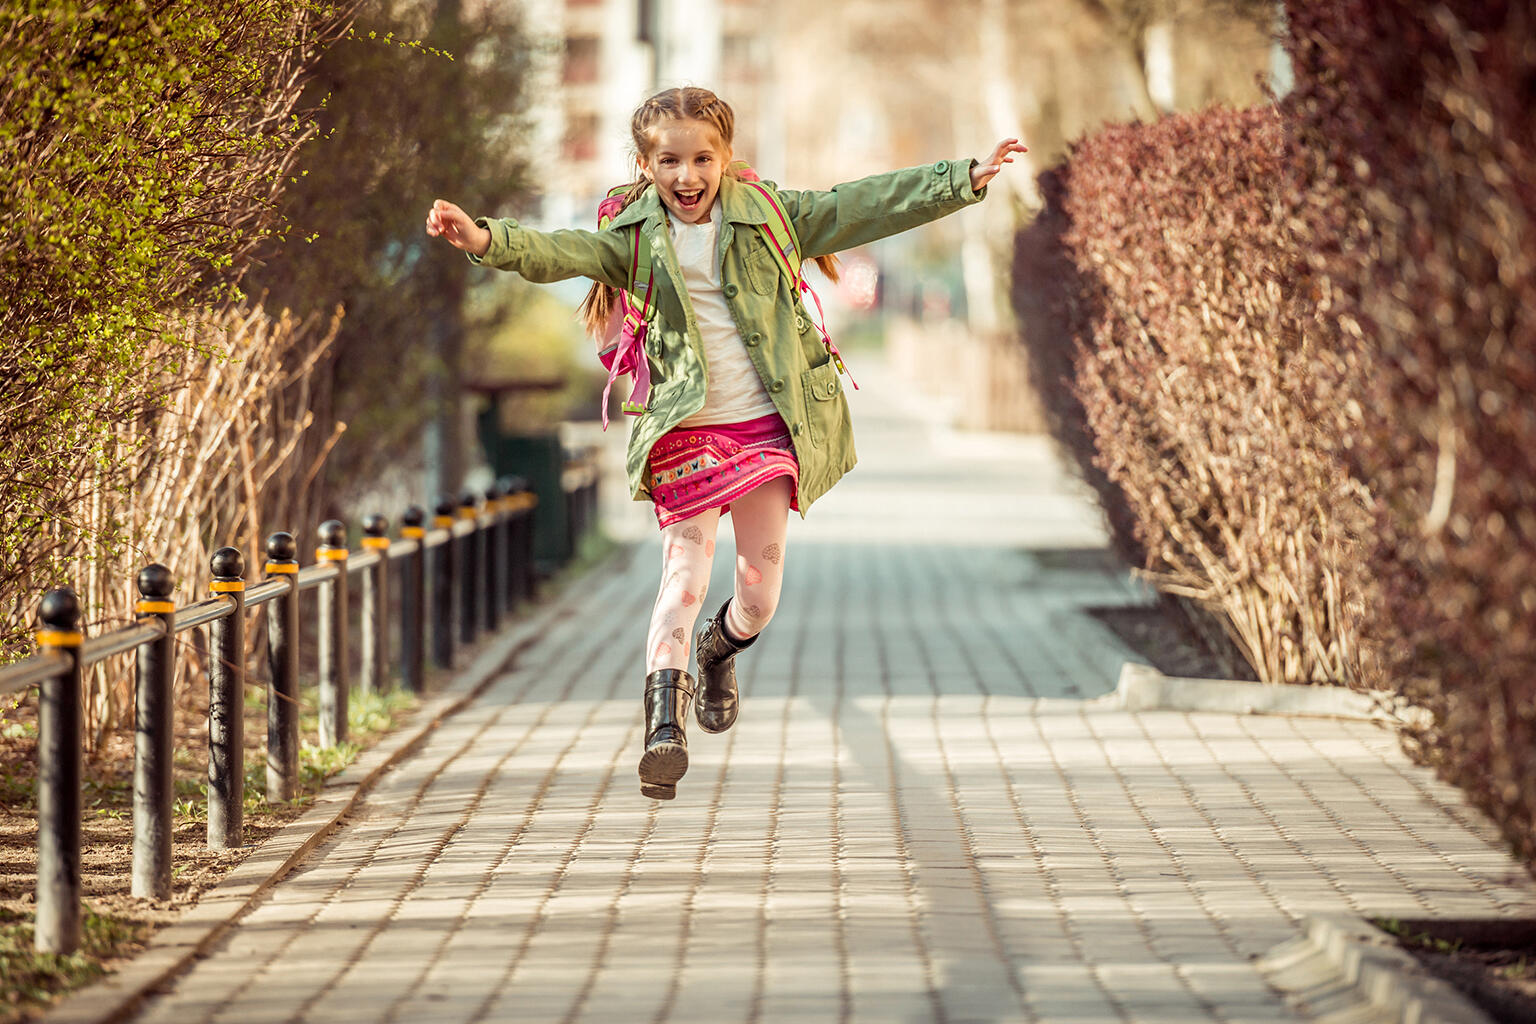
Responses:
[283,666]
[510,503]
[153,737]
[59,740]
[594,475]
[527,577]
[375,613]
[491,562]
[413,602]
[469,566]
[334,664]
[443,557]
[226,706]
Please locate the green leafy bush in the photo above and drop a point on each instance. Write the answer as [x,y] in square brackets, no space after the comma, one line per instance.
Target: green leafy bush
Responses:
[142,146]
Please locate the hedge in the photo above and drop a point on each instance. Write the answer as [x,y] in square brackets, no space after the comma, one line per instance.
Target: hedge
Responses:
[1418,122]
[1301,341]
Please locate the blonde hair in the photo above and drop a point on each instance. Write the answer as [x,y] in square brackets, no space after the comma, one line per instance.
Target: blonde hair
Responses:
[688,103]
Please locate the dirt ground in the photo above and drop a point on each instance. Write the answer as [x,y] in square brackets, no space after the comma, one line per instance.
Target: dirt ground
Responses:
[1494,967]
[117,925]
[1167,640]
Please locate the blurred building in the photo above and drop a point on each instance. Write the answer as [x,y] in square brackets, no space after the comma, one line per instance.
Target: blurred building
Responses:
[826,92]
[612,54]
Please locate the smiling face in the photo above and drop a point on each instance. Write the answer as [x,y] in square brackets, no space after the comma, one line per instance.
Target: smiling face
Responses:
[686,161]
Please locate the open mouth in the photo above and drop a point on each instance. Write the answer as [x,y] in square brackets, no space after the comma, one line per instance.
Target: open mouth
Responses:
[689,200]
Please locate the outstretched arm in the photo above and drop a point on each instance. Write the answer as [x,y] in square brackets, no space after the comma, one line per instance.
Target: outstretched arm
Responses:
[446,220]
[988,168]
[858,212]
[540,256]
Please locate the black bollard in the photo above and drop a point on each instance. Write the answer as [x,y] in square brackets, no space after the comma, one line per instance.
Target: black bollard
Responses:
[153,738]
[443,569]
[491,565]
[283,666]
[511,501]
[469,565]
[413,602]
[226,706]
[523,546]
[334,665]
[375,612]
[59,740]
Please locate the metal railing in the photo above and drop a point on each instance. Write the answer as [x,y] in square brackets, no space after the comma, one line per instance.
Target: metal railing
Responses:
[476,554]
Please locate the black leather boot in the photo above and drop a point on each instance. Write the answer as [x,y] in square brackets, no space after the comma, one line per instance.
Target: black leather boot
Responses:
[668,692]
[718,700]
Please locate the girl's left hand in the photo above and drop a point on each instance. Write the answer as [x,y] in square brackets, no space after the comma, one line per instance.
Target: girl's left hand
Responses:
[988,168]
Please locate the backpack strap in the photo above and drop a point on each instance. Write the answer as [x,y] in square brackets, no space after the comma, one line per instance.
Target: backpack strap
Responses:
[627,353]
[641,284]
[785,246]
[778,232]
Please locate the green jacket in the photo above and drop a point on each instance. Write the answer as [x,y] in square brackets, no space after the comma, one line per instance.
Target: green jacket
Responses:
[781,340]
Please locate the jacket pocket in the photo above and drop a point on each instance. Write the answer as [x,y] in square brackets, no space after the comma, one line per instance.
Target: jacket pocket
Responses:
[762,272]
[823,402]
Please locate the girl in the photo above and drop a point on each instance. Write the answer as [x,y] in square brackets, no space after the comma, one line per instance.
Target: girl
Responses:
[745,414]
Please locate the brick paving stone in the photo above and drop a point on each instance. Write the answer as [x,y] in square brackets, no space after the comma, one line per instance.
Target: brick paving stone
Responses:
[918,816]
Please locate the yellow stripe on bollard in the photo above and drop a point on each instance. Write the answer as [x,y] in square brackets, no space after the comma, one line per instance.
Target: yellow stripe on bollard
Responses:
[59,638]
[227,586]
[330,554]
[154,607]
[376,543]
[282,567]
[412,532]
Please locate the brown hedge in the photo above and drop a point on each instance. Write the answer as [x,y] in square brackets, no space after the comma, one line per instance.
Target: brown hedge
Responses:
[1302,340]
[1415,146]
[1198,369]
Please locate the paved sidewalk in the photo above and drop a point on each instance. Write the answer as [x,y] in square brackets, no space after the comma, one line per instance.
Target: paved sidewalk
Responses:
[917,818]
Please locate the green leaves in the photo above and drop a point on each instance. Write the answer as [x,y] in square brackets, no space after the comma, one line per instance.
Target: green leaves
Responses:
[139,147]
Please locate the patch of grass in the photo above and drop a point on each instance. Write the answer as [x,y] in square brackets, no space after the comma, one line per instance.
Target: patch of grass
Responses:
[18,730]
[30,979]
[1520,970]
[372,714]
[18,789]
[369,716]
[1418,940]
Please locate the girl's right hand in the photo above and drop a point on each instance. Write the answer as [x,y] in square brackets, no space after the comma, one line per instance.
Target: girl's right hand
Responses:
[452,223]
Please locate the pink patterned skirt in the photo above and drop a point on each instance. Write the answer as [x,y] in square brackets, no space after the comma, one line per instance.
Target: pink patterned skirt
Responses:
[700,468]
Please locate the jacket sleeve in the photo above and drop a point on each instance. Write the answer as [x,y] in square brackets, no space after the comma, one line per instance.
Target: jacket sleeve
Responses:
[544,256]
[859,212]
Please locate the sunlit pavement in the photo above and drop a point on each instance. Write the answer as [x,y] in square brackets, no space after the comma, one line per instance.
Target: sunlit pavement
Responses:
[918,816]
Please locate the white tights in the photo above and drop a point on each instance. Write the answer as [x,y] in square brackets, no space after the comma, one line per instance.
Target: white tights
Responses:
[761,520]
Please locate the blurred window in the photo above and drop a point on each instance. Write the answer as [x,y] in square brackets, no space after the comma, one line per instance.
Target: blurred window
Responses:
[581,137]
[738,55]
[581,56]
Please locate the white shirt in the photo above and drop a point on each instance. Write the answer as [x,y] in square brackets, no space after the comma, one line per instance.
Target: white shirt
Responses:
[735,392]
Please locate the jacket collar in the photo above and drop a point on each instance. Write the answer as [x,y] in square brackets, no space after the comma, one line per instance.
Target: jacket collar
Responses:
[739,205]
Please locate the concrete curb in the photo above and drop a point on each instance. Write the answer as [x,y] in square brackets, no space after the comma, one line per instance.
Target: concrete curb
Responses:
[117,996]
[1144,688]
[1341,967]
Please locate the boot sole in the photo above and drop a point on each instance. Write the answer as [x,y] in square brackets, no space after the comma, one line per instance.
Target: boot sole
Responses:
[660,768]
